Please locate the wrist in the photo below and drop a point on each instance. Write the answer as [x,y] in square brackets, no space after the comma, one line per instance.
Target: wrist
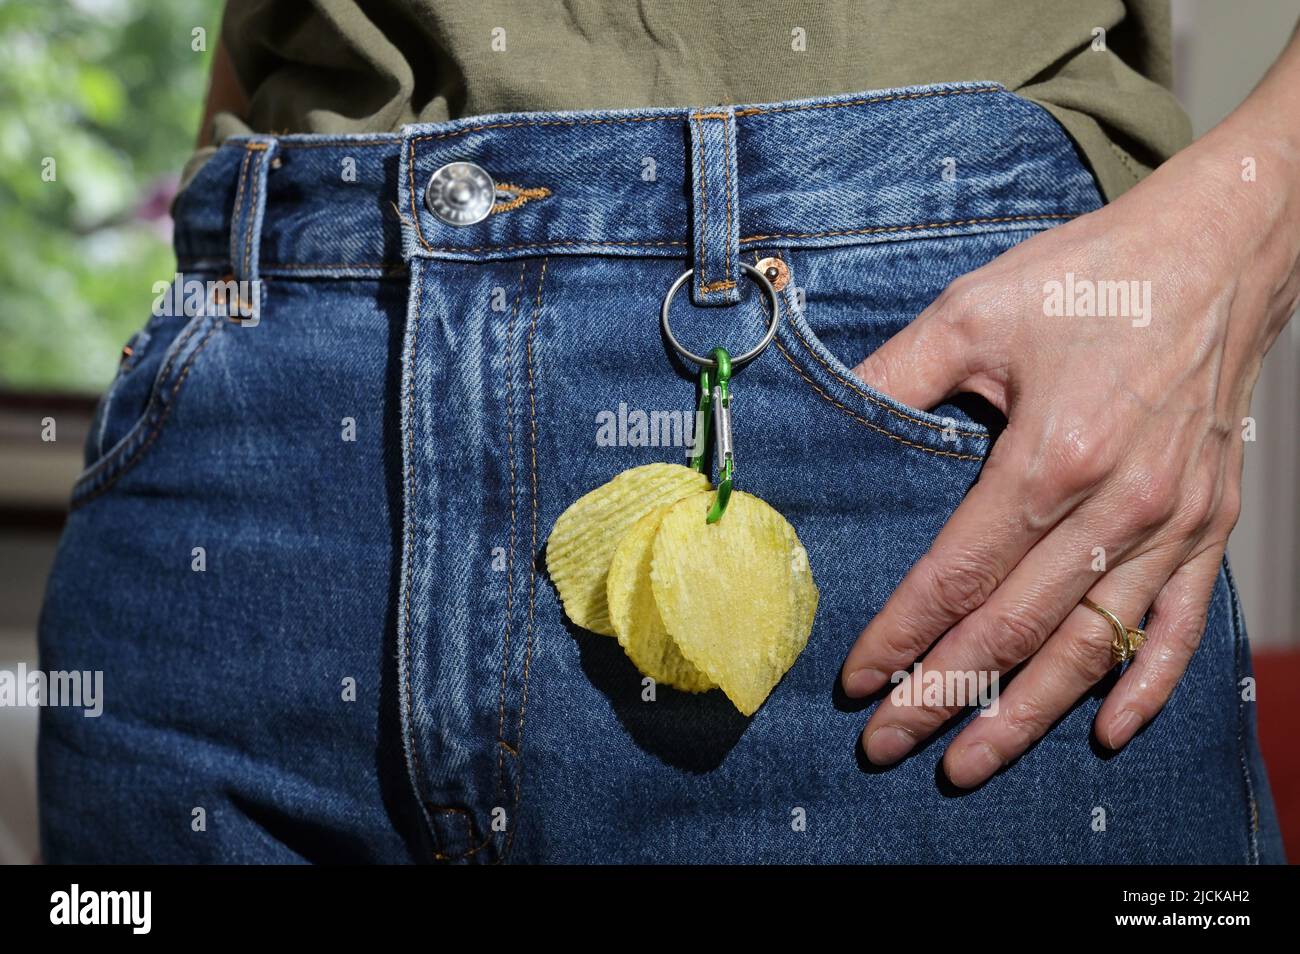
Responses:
[1259,142]
[1231,203]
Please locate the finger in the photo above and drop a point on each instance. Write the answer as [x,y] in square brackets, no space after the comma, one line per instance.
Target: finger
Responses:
[1174,631]
[1012,625]
[921,364]
[1070,663]
[1009,511]
[1020,497]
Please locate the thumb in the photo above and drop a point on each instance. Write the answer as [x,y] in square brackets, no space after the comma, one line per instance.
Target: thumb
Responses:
[920,366]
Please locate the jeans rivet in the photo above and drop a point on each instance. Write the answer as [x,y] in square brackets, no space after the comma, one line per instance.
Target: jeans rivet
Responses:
[776,271]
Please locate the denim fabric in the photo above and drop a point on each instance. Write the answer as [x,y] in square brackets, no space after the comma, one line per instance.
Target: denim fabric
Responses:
[715,245]
[475,364]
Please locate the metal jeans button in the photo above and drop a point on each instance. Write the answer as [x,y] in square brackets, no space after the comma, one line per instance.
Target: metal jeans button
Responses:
[460,193]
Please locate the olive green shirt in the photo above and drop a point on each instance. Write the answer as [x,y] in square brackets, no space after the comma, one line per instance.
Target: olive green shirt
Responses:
[1102,67]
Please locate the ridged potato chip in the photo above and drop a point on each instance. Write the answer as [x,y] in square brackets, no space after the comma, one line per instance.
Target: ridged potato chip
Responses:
[737,596]
[585,537]
[635,615]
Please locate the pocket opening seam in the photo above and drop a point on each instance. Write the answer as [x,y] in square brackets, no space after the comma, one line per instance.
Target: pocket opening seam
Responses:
[868,423]
[119,448]
[860,391]
[143,434]
[853,383]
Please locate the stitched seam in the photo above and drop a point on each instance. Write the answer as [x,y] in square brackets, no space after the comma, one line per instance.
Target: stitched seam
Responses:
[410,175]
[239,205]
[253,199]
[510,553]
[726,165]
[265,266]
[705,286]
[532,563]
[911,228]
[1238,646]
[704,206]
[748,240]
[785,295]
[162,419]
[532,245]
[1126,160]
[398,265]
[151,408]
[517,751]
[439,854]
[852,383]
[614,120]
[628,119]
[676,117]
[410,574]
[344,143]
[864,421]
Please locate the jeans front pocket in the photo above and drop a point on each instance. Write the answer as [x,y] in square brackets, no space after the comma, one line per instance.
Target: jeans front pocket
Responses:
[156,362]
[843,304]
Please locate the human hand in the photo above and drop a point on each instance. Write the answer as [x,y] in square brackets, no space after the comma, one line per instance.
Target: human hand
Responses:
[1118,476]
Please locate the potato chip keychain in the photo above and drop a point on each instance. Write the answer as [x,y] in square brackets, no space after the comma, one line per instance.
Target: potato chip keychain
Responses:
[704,587]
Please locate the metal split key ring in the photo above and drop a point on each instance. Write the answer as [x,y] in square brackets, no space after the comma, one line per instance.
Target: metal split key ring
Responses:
[736,362]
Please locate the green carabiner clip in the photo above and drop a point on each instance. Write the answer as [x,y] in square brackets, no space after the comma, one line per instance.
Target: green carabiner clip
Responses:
[713,416]
[702,420]
[721,401]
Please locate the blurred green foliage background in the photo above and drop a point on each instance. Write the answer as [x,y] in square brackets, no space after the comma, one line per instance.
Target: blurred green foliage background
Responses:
[112,91]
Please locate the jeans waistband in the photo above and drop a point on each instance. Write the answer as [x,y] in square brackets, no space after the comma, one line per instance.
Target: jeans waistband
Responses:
[871,167]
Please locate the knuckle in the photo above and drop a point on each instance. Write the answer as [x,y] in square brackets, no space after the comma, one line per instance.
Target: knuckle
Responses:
[881,369]
[1041,498]
[897,647]
[1071,460]
[1199,506]
[1229,508]
[931,717]
[959,308]
[1188,636]
[1208,504]
[1081,456]
[1013,638]
[962,587]
[1149,499]
[1087,652]
[957,302]
[1027,718]
[1183,628]
[914,715]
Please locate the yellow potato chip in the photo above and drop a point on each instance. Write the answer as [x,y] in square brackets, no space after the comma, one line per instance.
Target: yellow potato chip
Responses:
[635,615]
[582,544]
[737,596]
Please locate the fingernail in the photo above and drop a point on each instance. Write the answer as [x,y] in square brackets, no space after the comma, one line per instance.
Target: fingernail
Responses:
[888,744]
[863,682]
[973,765]
[1123,728]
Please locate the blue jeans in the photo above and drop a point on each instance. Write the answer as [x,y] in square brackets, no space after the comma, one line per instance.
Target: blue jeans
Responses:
[307,549]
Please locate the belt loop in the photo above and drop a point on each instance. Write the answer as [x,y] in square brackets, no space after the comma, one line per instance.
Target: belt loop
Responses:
[715,209]
[248,213]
